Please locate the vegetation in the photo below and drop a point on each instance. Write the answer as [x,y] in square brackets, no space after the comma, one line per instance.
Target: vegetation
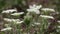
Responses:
[29,17]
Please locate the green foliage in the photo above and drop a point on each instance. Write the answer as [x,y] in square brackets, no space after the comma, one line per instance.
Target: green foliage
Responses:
[28,20]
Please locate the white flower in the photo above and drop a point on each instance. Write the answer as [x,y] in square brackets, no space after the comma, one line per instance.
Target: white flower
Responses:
[5,29]
[15,21]
[34,8]
[11,20]
[48,9]
[37,23]
[6,19]
[19,22]
[45,16]
[16,14]
[58,26]
[58,21]
[9,11]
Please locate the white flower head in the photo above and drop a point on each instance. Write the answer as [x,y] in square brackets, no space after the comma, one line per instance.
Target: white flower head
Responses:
[48,9]
[9,11]
[19,22]
[11,20]
[45,16]
[15,21]
[58,26]
[58,21]
[5,29]
[17,14]
[8,20]
[34,8]
[37,23]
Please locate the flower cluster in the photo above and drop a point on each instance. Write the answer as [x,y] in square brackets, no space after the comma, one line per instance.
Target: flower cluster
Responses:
[9,11]
[34,8]
[9,28]
[17,21]
[33,18]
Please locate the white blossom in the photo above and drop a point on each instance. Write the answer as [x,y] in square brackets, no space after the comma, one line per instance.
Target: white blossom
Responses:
[34,8]
[15,21]
[11,20]
[58,26]
[19,22]
[48,9]
[58,21]
[6,19]
[5,29]
[45,16]
[16,14]
[37,23]
[9,11]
